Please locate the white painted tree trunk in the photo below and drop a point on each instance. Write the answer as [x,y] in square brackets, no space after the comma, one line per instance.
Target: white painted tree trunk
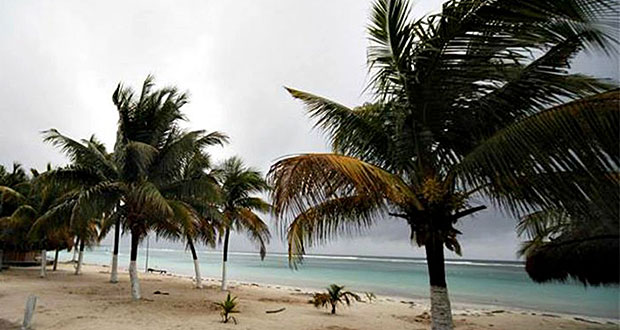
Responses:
[198,277]
[114,271]
[224,284]
[31,304]
[135,282]
[75,251]
[78,268]
[43,263]
[441,313]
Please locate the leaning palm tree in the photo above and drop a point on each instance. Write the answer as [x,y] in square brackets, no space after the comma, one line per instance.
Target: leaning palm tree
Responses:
[92,166]
[66,216]
[239,205]
[475,101]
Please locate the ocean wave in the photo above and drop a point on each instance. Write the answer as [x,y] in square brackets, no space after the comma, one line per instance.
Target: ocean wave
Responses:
[479,263]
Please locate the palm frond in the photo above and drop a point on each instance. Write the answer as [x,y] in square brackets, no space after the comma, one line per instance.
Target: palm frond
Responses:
[184,221]
[359,132]
[136,158]
[255,228]
[301,182]
[254,204]
[94,201]
[392,40]
[542,150]
[7,194]
[214,138]
[324,222]
[149,201]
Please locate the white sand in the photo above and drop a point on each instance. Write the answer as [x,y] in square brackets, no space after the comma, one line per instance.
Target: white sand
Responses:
[89,301]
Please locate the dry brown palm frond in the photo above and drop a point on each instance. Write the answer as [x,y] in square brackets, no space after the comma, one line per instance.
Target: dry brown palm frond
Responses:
[333,218]
[301,182]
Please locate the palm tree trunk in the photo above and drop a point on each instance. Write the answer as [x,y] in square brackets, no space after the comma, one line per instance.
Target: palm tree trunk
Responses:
[43,263]
[225,259]
[75,248]
[1,256]
[133,267]
[441,312]
[78,268]
[55,260]
[114,271]
[333,308]
[196,264]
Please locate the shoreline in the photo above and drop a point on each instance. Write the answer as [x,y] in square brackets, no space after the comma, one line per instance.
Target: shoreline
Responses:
[89,301]
[508,287]
[459,308]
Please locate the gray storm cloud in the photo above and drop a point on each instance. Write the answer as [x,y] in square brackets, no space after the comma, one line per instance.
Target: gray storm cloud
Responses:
[60,62]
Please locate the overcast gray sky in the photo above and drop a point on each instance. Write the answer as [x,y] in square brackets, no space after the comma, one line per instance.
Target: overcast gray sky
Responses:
[60,62]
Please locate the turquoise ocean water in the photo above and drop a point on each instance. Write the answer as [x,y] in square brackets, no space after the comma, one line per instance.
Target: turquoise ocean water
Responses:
[499,283]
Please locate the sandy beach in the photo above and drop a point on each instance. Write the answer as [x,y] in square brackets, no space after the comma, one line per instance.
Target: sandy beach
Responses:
[89,301]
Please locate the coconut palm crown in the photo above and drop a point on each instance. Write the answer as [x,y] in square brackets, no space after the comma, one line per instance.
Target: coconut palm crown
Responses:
[239,206]
[475,101]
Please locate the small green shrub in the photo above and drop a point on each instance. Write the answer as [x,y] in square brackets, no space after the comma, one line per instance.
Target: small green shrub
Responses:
[228,307]
[335,295]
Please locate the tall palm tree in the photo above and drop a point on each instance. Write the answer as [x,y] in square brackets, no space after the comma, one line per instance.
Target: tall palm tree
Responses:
[118,186]
[87,228]
[193,192]
[474,101]
[239,184]
[129,186]
[91,166]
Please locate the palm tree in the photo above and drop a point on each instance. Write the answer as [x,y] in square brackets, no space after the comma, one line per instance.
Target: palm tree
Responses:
[10,184]
[335,295]
[238,205]
[563,243]
[59,225]
[37,203]
[129,186]
[193,192]
[14,179]
[118,186]
[91,167]
[475,101]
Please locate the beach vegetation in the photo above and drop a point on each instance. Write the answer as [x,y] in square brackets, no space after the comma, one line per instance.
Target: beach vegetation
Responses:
[569,243]
[472,105]
[140,185]
[335,295]
[202,220]
[228,307]
[240,207]
[33,203]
